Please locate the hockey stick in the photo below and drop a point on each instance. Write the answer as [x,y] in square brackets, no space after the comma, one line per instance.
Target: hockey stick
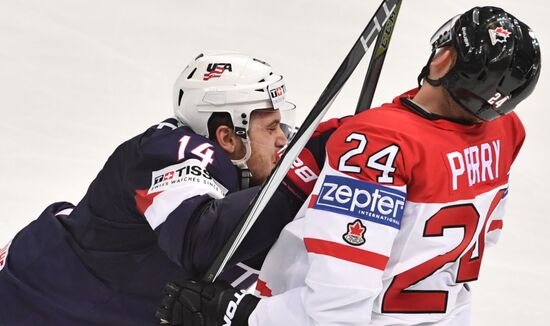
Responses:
[376,62]
[298,142]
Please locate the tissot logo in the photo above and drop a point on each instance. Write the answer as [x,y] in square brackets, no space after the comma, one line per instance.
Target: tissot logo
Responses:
[276,92]
[193,170]
[361,199]
[189,173]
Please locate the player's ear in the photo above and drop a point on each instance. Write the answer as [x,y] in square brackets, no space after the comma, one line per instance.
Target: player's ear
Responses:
[442,62]
[228,141]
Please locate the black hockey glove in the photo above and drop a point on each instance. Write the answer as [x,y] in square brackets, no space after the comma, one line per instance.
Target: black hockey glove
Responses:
[193,303]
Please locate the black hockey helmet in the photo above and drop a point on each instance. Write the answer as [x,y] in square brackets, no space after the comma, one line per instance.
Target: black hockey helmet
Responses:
[497,64]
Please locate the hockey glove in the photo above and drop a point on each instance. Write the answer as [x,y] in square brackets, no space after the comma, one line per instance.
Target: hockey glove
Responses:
[193,303]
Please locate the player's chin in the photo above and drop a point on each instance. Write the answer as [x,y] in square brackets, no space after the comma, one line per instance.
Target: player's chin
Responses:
[274,159]
[259,178]
[268,170]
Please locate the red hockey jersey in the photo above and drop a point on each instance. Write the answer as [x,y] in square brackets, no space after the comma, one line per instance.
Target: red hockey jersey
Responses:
[397,223]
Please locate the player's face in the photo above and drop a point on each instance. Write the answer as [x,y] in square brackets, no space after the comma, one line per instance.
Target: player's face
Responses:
[266,139]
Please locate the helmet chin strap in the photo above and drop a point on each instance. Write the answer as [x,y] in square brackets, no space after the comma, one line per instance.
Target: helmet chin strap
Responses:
[426,71]
[241,164]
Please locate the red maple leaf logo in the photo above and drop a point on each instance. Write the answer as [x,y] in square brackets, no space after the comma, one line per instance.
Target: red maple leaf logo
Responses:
[356,229]
[502,31]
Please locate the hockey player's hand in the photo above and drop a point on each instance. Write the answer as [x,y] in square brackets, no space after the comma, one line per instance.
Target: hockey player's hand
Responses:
[193,303]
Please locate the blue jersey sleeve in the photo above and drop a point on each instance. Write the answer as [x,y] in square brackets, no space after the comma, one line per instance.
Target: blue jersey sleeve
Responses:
[178,190]
[176,172]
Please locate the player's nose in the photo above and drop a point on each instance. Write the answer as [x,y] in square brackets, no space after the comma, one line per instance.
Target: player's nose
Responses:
[280,139]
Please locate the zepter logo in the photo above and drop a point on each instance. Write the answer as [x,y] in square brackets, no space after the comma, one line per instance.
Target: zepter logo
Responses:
[361,199]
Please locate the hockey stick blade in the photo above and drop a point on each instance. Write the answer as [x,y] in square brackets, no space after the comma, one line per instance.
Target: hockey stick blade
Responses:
[298,142]
[376,62]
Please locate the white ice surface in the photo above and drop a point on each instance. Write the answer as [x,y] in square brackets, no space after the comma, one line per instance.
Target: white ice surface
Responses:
[77,77]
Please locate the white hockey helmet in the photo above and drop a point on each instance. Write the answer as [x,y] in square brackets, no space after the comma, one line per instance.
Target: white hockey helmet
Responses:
[229,82]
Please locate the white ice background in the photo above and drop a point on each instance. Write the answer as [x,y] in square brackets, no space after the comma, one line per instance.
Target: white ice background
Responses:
[78,77]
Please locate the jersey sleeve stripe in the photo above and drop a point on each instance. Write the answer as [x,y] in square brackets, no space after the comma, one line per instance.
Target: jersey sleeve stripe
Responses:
[344,252]
[66,211]
[496,225]
[4,255]
[144,200]
[263,289]
[312,201]
[157,206]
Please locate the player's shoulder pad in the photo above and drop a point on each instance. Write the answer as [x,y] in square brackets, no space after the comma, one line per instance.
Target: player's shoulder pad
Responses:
[317,144]
[515,122]
[170,143]
[369,147]
[329,126]
[513,129]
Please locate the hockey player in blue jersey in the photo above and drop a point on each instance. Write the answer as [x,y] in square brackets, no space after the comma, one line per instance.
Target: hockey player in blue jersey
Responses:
[161,208]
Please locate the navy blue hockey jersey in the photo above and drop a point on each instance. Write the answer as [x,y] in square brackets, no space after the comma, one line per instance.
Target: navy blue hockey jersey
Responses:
[160,209]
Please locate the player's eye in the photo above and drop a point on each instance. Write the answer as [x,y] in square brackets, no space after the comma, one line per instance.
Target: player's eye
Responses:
[273,127]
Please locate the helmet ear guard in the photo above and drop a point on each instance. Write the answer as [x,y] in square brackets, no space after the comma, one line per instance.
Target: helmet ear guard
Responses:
[497,65]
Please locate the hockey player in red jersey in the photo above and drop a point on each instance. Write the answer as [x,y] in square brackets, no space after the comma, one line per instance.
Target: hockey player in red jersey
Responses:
[161,208]
[410,195]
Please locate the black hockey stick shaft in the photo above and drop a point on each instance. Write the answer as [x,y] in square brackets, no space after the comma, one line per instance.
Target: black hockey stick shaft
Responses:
[299,141]
[376,62]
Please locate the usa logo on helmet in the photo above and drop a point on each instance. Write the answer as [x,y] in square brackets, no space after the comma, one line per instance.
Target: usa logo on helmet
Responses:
[215,70]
